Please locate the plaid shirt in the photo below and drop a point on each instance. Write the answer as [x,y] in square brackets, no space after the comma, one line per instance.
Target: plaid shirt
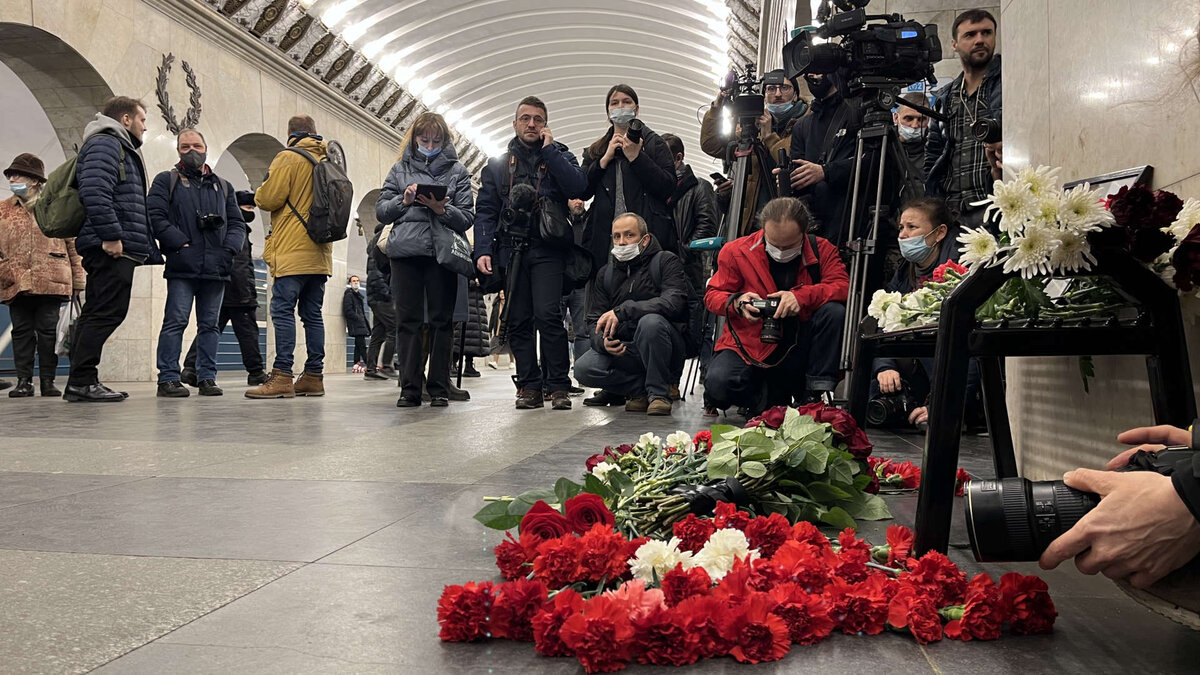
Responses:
[969,178]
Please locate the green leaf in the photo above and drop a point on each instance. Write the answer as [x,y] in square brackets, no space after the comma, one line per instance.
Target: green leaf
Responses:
[756,447]
[796,456]
[838,518]
[621,483]
[1087,370]
[801,427]
[596,486]
[824,492]
[867,507]
[533,496]
[754,469]
[722,465]
[842,471]
[817,456]
[777,507]
[720,430]
[861,481]
[566,488]
[496,516]
[518,508]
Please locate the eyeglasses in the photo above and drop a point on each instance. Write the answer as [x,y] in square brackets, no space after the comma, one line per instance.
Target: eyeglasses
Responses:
[781,88]
[536,119]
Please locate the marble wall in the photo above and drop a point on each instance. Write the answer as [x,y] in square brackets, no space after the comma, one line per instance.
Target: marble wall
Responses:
[243,92]
[1095,87]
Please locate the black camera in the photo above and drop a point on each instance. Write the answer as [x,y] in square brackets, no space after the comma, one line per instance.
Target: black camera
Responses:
[515,220]
[891,410]
[634,132]
[771,330]
[209,221]
[987,130]
[1015,519]
[743,96]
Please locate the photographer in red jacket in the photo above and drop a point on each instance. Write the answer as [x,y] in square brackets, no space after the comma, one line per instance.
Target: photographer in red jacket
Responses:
[781,291]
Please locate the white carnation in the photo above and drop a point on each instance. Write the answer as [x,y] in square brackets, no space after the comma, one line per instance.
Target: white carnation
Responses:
[681,441]
[1189,217]
[880,302]
[601,470]
[649,440]
[978,246]
[657,558]
[724,548]
[895,318]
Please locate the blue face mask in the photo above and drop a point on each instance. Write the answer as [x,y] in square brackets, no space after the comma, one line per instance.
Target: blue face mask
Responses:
[781,109]
[622,116]
[429,153]
[19,189]
[914,249]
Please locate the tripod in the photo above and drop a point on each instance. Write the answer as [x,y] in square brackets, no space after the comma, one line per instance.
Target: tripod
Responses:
[518,245]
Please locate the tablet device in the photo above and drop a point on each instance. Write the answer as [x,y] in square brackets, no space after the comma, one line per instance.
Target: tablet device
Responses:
[435,192]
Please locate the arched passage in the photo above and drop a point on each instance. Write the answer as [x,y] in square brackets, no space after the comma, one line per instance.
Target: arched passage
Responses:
[244,164]
[356,254]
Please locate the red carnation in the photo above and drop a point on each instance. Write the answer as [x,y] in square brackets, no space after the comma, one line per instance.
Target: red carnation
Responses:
[916,613]
[808,565]
[544,521]
[557,562]
[757,634]
[939,272]
[703,617]
[703,440]
[900,543]
[934,576]
[548,622]
[861,607]
[585,510]
[599,634]
[663,639]
[982,613]
[693,532]
[853,558]
[767,533]
[805,614]
[516,604]
[680,584]
[727,515]
[749,575]
[510,558]
[908,475]
[1027,601]
[602,554]
[463,612]
[960,481]
[805,531]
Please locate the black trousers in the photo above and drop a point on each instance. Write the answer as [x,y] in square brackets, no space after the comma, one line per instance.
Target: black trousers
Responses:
[109,284]
[34,328]
[245,328]
[360,349]
[416,283]
[383,335]
[537,303]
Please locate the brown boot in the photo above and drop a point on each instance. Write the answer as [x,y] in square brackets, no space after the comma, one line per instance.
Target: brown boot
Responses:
[310,384]
[637,404]
[278,385]
[659,406]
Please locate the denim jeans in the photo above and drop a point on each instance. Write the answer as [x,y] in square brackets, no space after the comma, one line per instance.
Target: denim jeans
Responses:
[180,294]
[306,293]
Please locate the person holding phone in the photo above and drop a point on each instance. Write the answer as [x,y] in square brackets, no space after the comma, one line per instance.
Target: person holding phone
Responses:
[427,188]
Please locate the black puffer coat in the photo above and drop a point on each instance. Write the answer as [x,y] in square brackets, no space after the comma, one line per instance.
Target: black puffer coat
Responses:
[355,313]
[241,289]
[379,272]
[478,341]
[631,293]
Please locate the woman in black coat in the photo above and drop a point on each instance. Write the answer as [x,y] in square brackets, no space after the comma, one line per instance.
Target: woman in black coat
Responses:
[356,319]
[624,176]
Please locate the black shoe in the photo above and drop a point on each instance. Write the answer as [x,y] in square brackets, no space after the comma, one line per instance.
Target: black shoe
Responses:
[24,388]
[173,389]
[388,372]
[575,391]
[470,371]
[188,377]
[439,402]
[529,399]
[560,400]
[257,378]
[603,398]
[93,393]
[210,388]
[408,402]
[457,394]
[373,375]
[48,388]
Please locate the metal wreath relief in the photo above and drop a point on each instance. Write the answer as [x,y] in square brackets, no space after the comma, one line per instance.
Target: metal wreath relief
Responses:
[192,117]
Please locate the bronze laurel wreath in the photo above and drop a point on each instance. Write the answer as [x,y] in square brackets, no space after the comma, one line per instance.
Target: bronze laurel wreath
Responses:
[192,117]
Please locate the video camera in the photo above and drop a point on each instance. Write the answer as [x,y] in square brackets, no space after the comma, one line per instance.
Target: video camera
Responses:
[743,95]
[515,219]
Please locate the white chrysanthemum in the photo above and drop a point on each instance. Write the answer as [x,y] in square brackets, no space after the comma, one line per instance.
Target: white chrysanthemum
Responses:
[895,318]
[1045,214]
[1042,181]
[978,246]
[1031,253]
[1189,217]
[657,558]
[601,470]
[648,440]
[1071,252]
[681,441]
[880,301]
[724,547]
[1016,204]
[1162,265]
[1081,209]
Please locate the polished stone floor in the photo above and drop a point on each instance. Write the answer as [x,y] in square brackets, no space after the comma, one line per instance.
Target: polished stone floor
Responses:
[224,535]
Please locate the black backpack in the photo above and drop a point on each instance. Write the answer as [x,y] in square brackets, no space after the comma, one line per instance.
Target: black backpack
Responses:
[693,335]
[329,217]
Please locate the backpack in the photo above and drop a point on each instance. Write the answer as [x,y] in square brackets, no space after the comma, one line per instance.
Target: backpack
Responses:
[329,217]
[692,335]
[58,211]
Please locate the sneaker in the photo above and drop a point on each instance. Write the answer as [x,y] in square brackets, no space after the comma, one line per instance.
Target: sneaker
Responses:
[529,399]
[188,376]
[278,385]
[639,404]
[603,398]
[373,375]
[210,388]
[310,384]
[172,389]
[256,378]
[560,400]
[659,407]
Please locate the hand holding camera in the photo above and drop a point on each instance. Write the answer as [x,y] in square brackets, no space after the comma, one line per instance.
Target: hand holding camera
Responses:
[787,305]
[746,307]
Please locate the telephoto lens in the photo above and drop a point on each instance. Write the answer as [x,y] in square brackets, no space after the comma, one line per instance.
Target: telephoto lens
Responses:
[634,132]
[987,130]
[1015,519]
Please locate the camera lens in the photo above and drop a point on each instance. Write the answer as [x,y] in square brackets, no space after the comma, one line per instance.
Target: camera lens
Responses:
[986,130]
[1015,519]
[634,132]
[878,411]
[771,333]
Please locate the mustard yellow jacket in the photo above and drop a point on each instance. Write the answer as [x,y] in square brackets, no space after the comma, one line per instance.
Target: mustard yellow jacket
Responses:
[288,250]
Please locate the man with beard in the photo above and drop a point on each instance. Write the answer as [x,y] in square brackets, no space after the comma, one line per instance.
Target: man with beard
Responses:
[956,164]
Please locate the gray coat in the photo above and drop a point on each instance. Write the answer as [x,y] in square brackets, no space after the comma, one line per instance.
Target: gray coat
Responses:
[412,230]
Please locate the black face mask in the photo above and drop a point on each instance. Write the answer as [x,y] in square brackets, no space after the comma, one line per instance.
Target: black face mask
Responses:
[193,159]
[819,88]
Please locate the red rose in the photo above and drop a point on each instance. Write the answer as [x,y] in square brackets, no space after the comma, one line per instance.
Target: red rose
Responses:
[960,482]
[771,418]
[663,639]
[900,543]
[703,441]
[680,584]
[1131,206]
[808,565]
[727,515]
[544,521]
[548,622]
[861,607]
[935,577]
[516,604]
[702,615]
[463,612]
[599,634]
[845,429]
[585,510]
[602,554]
[1167,206]
[982,613]
[767,533]
[805,614]
[693,532]
[594,460]
[557,562]
[757,634]
[511,558]
[916,613]
[1027,601]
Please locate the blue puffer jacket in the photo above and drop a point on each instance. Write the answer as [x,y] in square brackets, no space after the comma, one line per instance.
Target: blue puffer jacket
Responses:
[115,207]
[412,229]
[174,219]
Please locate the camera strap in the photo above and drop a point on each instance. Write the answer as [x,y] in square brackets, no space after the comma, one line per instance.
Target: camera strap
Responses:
[512,174]
[175,178]
[814,277]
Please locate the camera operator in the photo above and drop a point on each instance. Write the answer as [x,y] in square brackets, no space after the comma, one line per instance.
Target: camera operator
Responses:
[806,281]
[1146,524]
[784,107]
[628,169]
[913,127]
[822,154]
[956,162]
[534,158]
[637,310]
[695,211]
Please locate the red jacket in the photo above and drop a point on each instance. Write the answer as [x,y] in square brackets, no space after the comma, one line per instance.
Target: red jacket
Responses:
[742,267]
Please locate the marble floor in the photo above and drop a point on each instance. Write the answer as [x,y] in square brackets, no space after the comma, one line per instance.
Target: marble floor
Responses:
[221,535]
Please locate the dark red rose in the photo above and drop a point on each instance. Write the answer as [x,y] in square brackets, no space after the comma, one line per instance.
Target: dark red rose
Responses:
[693,532]
[1026,601]
[602,554]
[845,429]
[557,561]
[935,577]
[1132,206]
[805,614]
[767,533]
[757,634]
[860,607]
[1167,206]
[600,635]
[594,460]
[544,521]
[680,584]
[463,612]
[514,608]
[900,543]
[662,638]
[909,610]
[771,418]
[1186,261]
[615,453]
[585,510]
[548,622]
[702,615]
[727,515]
[960,482]
[511,559]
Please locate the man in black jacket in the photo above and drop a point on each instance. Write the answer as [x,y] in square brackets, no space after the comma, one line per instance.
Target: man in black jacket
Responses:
[383,312]
[695,207]
[354,311]
[637,309]
[822,157]
[239,306]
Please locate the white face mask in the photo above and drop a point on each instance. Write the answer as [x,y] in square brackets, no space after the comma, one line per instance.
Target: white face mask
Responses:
[780,255]
[909,133]
[626,252]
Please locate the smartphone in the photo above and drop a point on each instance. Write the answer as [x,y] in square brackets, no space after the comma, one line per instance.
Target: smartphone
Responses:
[717,178]
[435,192]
